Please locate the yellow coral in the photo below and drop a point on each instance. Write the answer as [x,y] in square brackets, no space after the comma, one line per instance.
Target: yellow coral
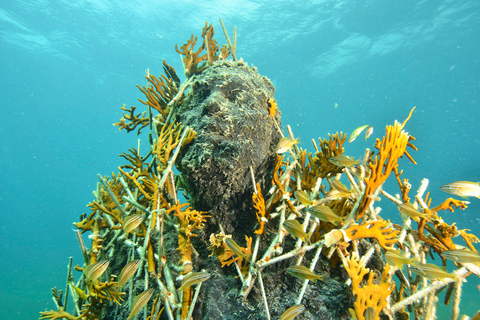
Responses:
[310,170]
[227,256]
[192,59]
[319,165]
[259,205]
[160,91]
[59,314]
[379,230]
[391,148]
[370,294]
[194,62]
[189,220]
[130,121]
[168,139]
[440,233]
[272,107]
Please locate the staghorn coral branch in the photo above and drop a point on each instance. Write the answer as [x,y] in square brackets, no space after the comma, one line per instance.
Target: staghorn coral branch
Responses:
[170,162]
[194,301]
[83,249]
[264,296]
[111,194]
[171,105]
[266,262]
[69,279]
[131,199]
[456,298]
[231,47]
[436,285]
[430,309]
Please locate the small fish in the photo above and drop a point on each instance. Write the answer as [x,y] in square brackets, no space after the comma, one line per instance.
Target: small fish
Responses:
[462,256]
[409,210]
[95,270]
[127,272]
[235,248]
[193,278]
[335,194]
[462,188]
[302,196]
[398,259]
[325,213]
[292,312]
[130,223]
[369,313]
[431,271]
[353,314]
[360,172]
[368,133]
[303,272]
[343,161]
[338,185]
[357,132]
[140,301]
[296,230]
[285,144]
[79,291]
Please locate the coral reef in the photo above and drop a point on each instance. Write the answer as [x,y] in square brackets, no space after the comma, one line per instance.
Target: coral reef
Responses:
[249,214]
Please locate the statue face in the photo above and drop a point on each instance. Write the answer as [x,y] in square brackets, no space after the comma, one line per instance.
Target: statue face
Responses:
[228,108]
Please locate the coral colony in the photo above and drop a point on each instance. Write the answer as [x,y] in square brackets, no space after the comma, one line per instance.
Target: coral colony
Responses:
[265,229]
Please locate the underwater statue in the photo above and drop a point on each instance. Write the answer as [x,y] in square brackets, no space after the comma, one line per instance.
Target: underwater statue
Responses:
[250,225]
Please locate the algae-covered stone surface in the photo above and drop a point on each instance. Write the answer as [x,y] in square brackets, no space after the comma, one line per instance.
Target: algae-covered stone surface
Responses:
[228,108]
[220,297]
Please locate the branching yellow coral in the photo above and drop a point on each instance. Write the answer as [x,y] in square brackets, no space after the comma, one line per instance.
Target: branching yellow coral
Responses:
[469,238]
[168,139]
[137,163]
[379,230]
[277,171]
[369,295]
[194,62]
[116,214]
[310,170]
[440,233]
[449,204]
[59,314]
[130,121]
[223,252]
[211,45]
[189,220]
[391,148]
[259,205]
[328,149]
[160,91]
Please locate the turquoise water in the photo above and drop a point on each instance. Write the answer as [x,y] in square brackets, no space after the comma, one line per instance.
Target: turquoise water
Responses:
[68,66]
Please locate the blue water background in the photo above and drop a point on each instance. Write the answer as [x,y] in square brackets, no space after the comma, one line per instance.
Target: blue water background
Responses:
[68,66]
